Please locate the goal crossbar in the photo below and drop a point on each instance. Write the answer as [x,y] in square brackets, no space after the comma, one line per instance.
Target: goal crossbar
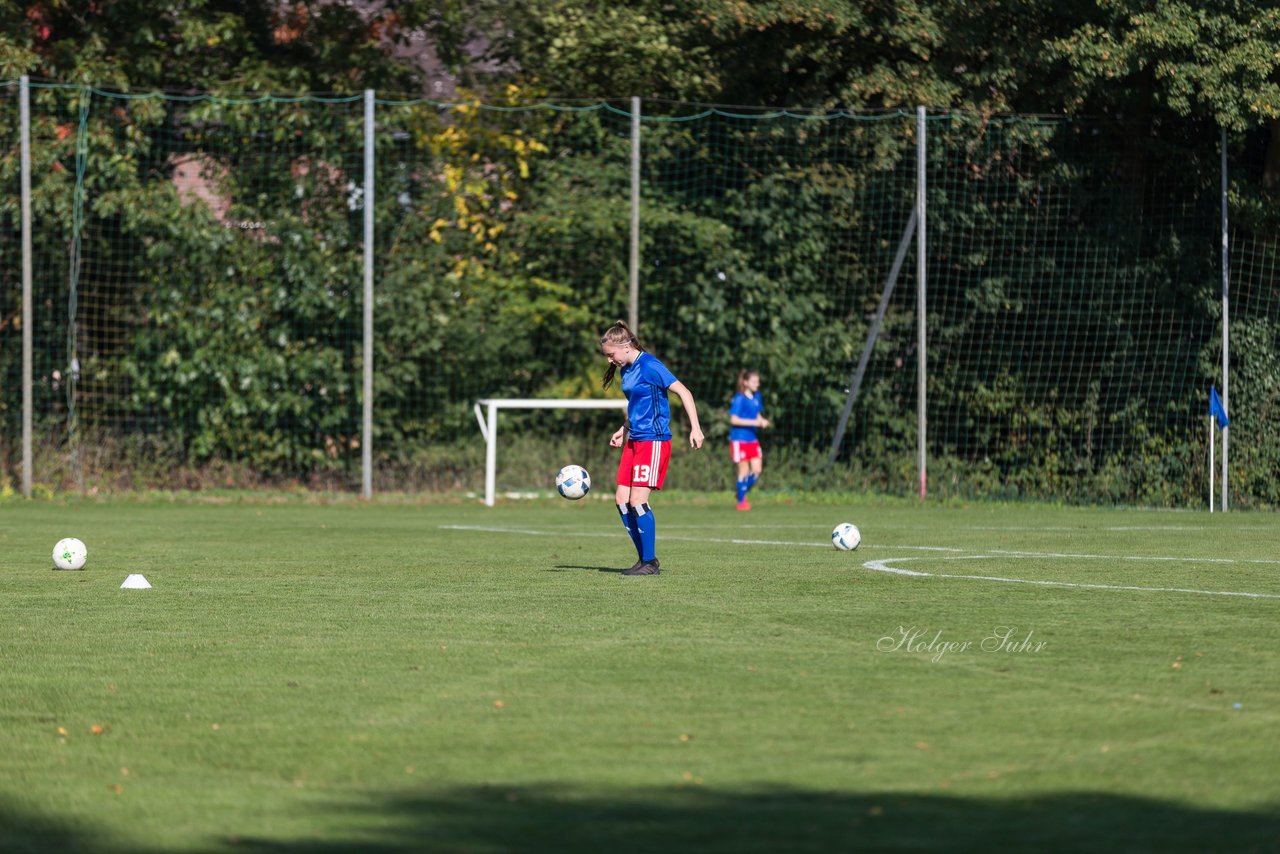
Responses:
[487,416]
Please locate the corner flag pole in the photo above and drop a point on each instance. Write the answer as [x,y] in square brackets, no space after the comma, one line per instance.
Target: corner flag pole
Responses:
[1217,413]
[1211,441]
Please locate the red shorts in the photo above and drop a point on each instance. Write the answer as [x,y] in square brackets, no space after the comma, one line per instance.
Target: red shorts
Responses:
[743,451]
[644,463]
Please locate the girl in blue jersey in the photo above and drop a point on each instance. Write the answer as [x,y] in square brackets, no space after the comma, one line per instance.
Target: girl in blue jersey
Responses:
[745,415]
[645,436]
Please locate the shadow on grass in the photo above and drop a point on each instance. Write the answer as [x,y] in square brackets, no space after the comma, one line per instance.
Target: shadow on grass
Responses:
[549,818]
[22,832]
[561,566]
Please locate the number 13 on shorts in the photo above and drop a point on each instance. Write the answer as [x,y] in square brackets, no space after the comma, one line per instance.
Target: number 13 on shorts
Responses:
[644,464]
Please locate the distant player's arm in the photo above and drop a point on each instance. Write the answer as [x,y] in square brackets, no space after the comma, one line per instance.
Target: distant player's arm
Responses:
[758,421]
[686,400]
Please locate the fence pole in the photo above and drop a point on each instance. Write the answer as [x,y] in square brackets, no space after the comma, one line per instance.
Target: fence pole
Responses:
[1225,341]
[634,311]
[72,378]
[921,304]
[366,441]
[25,120]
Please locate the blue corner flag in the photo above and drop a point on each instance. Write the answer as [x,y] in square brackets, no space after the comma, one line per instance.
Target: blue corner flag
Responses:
[1215,408]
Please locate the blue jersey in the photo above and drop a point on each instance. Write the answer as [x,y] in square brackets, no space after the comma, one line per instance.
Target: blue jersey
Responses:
[748,406]
[645,382]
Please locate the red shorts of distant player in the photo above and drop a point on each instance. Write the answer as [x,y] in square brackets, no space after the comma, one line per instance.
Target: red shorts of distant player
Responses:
[644,464]
[743,451]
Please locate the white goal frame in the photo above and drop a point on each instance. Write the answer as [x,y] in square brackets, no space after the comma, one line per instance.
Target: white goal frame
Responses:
[489,425]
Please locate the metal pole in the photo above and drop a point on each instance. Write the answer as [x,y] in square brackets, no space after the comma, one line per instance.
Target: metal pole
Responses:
[491,455]
[1225,341]
[633,316]
[76,259]
[872,333]
[921,304]
[366,442]
[25,120]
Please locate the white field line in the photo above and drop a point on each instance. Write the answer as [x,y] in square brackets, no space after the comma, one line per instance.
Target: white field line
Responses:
[1173,559]
[1109,528]
[1010,528]
[883,564]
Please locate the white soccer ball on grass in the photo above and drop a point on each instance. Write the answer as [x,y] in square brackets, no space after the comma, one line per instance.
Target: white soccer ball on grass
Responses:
[573,482]
[69,553]
[846,537]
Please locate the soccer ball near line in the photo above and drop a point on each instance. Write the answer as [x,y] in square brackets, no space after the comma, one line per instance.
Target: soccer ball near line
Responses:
[846,537]
[573,482]
[69,553]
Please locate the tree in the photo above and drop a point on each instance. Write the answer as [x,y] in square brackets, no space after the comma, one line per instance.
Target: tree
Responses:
[1214,62]
[225,46]
[571,49]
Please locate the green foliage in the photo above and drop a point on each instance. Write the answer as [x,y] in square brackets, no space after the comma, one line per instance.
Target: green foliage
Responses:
[229,357]
[1217,60]
[237,46]
[1252,406]
[248,341]
[651,49]
[222,317]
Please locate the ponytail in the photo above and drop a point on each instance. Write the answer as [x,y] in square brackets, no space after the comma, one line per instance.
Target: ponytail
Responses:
[616,336]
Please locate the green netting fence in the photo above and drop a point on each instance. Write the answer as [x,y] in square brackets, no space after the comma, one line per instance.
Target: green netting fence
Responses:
[198,293]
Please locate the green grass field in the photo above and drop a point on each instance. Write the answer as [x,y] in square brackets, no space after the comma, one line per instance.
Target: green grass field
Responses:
[396,676]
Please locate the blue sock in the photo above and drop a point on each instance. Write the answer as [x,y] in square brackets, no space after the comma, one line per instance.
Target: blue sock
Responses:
[751,481]
[648,532]
[629,525]
[744,483]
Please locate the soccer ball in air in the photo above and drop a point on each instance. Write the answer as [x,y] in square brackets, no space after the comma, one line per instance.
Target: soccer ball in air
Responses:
[573,482]
[69,553]
[846,537]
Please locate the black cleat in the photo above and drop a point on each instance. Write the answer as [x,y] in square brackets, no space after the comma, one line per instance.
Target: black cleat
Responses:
[644,568]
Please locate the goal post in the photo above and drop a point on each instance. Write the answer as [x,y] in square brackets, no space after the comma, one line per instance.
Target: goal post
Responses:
[487,416]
